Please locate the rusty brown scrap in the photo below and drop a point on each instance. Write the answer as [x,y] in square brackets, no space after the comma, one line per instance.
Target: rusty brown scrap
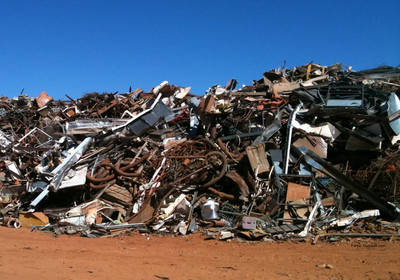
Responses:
[296,153]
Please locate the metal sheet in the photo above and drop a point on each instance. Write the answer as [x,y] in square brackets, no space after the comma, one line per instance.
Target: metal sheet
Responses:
[258,159]
[150,118]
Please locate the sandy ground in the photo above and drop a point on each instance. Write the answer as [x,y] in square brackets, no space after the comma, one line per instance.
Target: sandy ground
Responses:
[37,255]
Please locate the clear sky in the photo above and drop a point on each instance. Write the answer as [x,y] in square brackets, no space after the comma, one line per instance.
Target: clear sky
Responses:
[75,47]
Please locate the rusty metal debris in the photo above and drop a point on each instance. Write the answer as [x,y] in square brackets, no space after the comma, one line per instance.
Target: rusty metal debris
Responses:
[310,152]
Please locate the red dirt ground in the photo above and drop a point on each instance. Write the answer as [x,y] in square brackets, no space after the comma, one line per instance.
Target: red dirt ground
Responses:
[36,255]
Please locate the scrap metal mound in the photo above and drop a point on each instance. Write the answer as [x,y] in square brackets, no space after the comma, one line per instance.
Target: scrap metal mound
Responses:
[303,152]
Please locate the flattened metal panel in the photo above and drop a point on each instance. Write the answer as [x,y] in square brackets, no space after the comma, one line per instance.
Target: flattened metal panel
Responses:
[343,103]
[150,118]
[258,158]
[138,126]
[296,192]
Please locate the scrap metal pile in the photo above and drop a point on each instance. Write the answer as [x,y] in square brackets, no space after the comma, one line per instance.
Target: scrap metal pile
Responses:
[303,152]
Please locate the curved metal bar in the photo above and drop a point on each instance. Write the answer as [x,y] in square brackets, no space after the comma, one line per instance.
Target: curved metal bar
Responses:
[104,179]
[123,173]
[223,147]
[101,186]
[223,170]
[135,163]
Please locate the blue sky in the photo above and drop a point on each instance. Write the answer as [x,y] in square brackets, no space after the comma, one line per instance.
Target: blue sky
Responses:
[74,47]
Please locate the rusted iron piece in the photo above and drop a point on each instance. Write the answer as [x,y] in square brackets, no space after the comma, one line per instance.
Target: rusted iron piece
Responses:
[235,177]
[223,147]
[221,194]
[222,172]
[43,99]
